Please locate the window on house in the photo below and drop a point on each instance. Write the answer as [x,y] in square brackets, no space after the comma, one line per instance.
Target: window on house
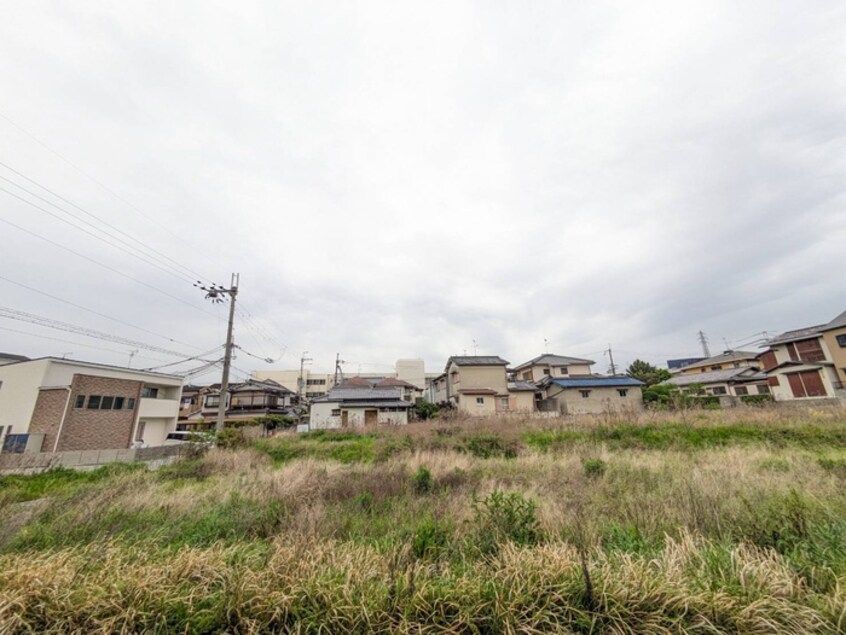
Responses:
[480,400]
[106,403]
[139,432]
[841,340]
[119,401]
[546,371]
[736,364]
[585,393]
[717,367]
[336,412]
[704,370]
[149,392]
[94,402]
[623,391]
[741,390]
[565,371]
[527,375]
[718,390]
[130,403]
[763,390]
[80,401]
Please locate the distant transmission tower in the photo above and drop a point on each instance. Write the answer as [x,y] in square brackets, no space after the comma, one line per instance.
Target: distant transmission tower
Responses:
[703,340]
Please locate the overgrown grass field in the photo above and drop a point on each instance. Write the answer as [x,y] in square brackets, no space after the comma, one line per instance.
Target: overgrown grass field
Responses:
[717,522]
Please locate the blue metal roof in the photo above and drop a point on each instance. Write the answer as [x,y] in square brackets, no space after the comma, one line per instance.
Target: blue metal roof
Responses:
[595,382]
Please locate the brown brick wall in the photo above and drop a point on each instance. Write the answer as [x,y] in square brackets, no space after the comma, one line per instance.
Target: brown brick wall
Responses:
[99,429]
[47,415]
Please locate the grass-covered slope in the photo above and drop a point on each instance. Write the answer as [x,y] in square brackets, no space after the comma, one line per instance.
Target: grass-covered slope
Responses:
[717,524]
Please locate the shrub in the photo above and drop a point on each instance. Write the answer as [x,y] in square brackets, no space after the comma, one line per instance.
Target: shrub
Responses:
[426,410]
[594,467]
[486,446]
[422,481]
[505,516]
[430,538]
[231,438]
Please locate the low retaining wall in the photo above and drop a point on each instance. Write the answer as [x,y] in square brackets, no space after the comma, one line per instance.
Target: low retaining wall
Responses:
[34,462]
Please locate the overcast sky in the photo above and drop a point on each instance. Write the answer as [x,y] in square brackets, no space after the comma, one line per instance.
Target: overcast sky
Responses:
[400,179]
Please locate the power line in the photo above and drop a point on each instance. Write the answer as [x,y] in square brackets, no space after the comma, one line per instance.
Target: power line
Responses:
[59,339]
[188,359]
[23,316]
[105,266]
[101,220]
[93,235]
[86,174]
[108,317]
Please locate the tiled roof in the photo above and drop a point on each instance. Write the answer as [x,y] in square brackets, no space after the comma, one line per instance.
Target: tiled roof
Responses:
[476,360]
[595,382]
[795,335]
[376,404]
[361,394]
[554,360]
[13,356]
[714,376]
[520,386]
[837,323]
[392,381]
[722,358]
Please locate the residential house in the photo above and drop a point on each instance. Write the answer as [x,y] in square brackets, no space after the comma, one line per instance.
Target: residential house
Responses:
[436,390]
[729,382]
[522,396]
[591,394]
[316,384]
[358,406]
[191,402]
[800,364]
[724,361]
[834,339]
[550,365]
[477,385]
[250,399]
[51,404]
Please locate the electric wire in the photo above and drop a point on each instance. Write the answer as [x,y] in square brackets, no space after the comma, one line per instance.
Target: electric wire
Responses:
[187,359]
[105,266]
[93,235]
[101,220]
[59,339]
[108,317]
[32,318]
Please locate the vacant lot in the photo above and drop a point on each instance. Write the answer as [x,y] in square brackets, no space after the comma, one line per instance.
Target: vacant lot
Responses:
[703,522]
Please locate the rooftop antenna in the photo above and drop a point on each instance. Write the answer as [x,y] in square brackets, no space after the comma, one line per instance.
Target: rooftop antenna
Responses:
[546,345]
[728,347]
[131,355]
[474,347]
[66,354]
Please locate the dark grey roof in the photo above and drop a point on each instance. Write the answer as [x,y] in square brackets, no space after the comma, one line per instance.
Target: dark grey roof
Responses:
[796,335]
[14,357]
[714,376]
[554,360]
[594,382]
[722,358]
[837,323]
[267,385]
[376,404]
[476,360]
[520,386]
[361,394]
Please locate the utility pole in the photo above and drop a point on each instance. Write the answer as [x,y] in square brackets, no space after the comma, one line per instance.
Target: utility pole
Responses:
[703,340]
[300,382]
[611,358]
[215,293]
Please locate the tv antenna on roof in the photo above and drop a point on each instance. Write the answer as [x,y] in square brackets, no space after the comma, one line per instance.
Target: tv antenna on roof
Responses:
[545,345]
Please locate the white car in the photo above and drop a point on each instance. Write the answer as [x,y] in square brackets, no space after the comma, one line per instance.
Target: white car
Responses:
[178,437]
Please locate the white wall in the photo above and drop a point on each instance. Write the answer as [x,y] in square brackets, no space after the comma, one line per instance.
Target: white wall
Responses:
[19,392]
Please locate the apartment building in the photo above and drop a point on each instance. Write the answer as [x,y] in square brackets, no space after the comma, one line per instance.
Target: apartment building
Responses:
[51,404]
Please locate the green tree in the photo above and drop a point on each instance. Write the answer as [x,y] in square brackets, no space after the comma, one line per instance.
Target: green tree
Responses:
[647,373]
